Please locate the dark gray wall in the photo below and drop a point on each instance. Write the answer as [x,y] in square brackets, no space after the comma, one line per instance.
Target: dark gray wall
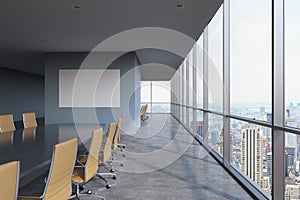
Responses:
[130,90]
[21,92]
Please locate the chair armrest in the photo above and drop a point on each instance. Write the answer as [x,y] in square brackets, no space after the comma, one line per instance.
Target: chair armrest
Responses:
[80,164]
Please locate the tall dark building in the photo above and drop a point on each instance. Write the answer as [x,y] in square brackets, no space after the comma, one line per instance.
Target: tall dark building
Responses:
[289,160]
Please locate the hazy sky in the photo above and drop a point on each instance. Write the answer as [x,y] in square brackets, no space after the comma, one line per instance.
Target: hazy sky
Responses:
[251,51]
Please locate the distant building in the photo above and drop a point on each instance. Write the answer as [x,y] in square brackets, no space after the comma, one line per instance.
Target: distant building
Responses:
[289,160]
[298,147]
[292,192]
[199,126]
[251,152]
[265,184]
[269,167]
[262,111]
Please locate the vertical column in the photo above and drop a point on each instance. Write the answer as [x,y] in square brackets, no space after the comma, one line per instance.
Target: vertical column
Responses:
[226,83]
[278,99]
[205,86]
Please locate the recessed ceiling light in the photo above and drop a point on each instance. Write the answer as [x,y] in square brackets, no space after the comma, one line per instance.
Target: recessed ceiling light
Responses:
[76,7]
[179,5]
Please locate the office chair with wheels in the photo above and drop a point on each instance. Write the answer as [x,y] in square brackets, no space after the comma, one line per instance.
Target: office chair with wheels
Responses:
[116,144]
[9,176]
[59,185]
[86,167]
[105,155]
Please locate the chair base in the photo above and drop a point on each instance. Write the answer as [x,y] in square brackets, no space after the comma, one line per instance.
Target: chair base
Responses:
[77,195]
[103,175]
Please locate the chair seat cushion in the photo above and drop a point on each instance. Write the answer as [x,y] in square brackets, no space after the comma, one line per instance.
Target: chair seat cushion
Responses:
[78,176]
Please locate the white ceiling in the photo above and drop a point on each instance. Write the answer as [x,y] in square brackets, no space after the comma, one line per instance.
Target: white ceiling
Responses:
[32,27]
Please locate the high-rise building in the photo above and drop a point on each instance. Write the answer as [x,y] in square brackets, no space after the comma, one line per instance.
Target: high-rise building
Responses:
[269,167]
[289,160]
[251,152]
[298,147]
[292,192]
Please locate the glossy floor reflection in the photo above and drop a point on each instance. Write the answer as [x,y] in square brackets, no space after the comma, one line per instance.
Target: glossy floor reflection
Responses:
[180,167]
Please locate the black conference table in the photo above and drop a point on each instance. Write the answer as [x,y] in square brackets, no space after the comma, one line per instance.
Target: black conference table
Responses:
[33,147]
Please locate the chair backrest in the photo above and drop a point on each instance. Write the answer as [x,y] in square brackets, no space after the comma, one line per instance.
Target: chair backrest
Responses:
[142,110]
[118,132]
[9,176]
[7,123]
[108,142]
[29,120]
[92,159]
[146,107]
[58,186]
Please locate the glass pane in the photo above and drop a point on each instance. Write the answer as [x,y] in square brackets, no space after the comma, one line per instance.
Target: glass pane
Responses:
[181,84]
[215,132]
[251,152]
[215,63]
[292,62]
[251,58]
[292,166]
[184,81]
[191,119]
[160,108]
[199,71]
[184,116]
[190,86]
[145,91]
[199,123]
[161,91]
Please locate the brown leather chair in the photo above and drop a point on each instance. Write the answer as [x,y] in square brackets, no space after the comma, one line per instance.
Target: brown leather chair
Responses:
[121,146]
[59,185]
[116,144]
[7,123]
[9,176]
[105,155]
[118,132]
[88,165]
[107,151]
[29,120]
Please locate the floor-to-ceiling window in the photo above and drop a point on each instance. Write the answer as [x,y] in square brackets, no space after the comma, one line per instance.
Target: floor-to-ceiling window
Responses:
[292,99]
[246,108]
[251,88]
[157,94]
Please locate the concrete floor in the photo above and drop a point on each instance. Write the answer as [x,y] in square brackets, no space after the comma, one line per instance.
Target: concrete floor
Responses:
[163,161]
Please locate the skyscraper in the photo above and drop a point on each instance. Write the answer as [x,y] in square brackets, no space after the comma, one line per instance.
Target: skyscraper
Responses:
[269,167]
[251,152]
[289,160]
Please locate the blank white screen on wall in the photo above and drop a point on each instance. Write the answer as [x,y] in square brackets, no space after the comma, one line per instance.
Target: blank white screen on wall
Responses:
[89,88]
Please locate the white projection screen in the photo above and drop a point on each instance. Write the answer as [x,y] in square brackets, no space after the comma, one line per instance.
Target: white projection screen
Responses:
[89,88]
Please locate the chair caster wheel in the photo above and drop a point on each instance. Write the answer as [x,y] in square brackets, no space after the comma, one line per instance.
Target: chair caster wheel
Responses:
[108,186]
[124,155]
[113,158]
[89,192]
[122,164]
[81,187]
[114,177]
[112,170]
